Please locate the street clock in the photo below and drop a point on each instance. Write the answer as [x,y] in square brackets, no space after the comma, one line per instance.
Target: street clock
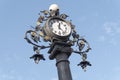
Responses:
[61,34]
[57,28]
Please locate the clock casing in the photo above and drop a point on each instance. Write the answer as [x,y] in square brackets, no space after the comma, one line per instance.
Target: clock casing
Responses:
[57,28]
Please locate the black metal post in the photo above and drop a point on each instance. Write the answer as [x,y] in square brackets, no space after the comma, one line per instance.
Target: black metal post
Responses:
[61,52]
[63,68]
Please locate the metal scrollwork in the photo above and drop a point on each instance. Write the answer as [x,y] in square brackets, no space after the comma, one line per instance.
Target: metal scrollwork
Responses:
[34,37]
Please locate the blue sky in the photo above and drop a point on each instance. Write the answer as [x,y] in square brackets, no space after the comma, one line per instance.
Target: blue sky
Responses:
[97,20]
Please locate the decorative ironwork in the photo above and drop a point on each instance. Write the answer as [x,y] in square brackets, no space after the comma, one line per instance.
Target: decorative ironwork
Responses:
[37,35]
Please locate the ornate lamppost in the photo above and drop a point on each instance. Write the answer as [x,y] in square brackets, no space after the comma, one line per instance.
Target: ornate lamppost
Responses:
[54,28]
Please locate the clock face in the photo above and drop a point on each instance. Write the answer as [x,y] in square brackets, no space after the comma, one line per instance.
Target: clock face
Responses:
[60,27]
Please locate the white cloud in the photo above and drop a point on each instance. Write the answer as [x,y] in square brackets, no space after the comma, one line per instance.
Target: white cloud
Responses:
[111,33]
[112,28]
[113,42]
[10,75]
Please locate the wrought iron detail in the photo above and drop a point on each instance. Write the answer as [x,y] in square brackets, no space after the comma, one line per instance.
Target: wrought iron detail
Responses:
[37,35]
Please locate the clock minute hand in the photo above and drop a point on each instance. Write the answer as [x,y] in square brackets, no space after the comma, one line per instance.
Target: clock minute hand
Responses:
[61,29]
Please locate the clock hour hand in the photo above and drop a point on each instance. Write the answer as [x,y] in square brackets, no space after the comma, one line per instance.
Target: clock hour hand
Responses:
[59,26]
[63,32]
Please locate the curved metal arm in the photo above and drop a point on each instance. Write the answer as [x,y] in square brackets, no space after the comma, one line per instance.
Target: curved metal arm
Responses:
[88,46]
[30,42]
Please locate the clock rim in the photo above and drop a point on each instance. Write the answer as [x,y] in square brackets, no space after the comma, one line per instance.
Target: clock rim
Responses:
[50,33]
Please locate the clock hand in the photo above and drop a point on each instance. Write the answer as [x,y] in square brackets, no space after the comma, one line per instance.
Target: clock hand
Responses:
[63,31]
[59,26]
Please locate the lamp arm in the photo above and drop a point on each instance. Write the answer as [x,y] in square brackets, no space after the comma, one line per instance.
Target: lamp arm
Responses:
[30,42]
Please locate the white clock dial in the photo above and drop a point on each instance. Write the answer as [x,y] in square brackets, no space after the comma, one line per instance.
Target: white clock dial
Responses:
[60,28]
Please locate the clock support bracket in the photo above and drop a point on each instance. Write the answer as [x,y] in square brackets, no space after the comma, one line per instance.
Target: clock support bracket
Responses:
[61,52]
